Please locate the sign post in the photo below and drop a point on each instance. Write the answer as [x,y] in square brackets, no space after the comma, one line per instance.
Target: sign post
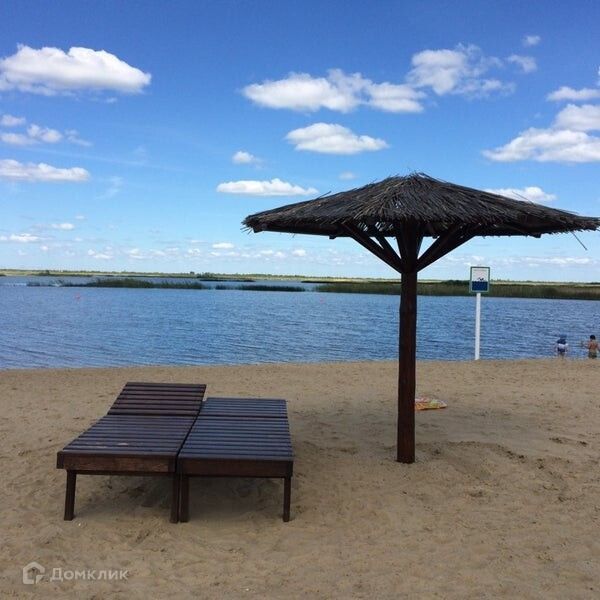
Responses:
[479,284]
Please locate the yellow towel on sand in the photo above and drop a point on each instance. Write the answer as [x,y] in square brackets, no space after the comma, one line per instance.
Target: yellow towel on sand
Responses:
[425,403]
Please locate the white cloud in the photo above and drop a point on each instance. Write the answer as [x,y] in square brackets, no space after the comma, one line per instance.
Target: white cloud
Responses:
[527,64]
[533,261]
[328,138]
[531,40]
[567,93]
[275,187]
[456,71]
[11,121]
[579,118]
[548,145]
[223,246]
[62,226]
[133,252]
[21,238]
[242,157]
[137,254]
[16,139]
[73,137]
[44,134]
[13,170]
[395,98]
[35,134]
[531,193]
[300,252]
[106,255]
[445,71]
[338,91]
[347,175]
[80,217]
[561,261]
[301,91]
[565,141]
[52,71]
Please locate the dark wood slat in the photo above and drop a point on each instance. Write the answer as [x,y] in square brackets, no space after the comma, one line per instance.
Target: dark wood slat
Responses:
[148,384]
[123,452]
[240,445]
[159,399]
[130,443]
[245,407]
[211,467]
[206,425]
[237,443]
[160,394]
[224,444]
[227,436]
[215,423]
[129,435]
[143,411]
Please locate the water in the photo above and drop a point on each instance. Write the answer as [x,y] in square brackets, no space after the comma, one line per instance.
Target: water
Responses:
[73,327]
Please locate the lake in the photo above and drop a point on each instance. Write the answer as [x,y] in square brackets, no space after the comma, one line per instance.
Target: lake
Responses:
[76,327]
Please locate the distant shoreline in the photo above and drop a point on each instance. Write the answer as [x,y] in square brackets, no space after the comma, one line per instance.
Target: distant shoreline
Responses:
[454,287]
[209,276]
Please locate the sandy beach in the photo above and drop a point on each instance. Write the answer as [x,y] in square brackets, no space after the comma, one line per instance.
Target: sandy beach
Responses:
[503,501]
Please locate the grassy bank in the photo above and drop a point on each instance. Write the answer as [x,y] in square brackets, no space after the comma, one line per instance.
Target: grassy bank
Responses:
[453,287]
[130,282]
[262,288]
[457,287]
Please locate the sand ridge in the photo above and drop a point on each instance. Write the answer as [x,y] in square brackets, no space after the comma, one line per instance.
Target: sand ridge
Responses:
[503,501]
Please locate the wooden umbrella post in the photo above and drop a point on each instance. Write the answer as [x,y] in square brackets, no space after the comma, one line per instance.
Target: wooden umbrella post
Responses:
[406,368]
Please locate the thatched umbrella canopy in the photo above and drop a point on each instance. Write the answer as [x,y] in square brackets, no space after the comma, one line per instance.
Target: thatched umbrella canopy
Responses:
[409,209]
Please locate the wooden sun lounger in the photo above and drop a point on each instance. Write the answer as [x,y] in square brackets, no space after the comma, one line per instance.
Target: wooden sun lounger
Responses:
[234,437]
[141,435]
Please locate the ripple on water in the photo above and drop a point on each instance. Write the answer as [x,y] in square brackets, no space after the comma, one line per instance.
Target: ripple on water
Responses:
[59,327]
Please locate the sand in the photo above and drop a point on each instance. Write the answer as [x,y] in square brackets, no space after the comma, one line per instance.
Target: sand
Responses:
[503,501]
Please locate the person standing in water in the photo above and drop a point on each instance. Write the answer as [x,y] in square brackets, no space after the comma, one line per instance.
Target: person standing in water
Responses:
[562,346]
[592,347]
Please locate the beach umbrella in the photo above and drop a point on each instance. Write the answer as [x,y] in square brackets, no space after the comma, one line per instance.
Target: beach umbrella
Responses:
[406,210]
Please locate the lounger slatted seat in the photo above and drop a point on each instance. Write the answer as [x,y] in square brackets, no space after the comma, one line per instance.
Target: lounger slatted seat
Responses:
[245,407]
[143,438]
[177,399]
[234,438]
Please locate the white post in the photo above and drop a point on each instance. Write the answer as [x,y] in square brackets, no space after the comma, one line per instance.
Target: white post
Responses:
[477,323]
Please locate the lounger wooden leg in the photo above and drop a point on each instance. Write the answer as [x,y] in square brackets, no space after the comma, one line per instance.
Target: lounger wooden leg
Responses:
[287,492]
[175,499]
[184,511]
[70,495]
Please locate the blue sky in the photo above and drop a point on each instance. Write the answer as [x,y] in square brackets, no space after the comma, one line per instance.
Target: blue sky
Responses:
[138,135]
